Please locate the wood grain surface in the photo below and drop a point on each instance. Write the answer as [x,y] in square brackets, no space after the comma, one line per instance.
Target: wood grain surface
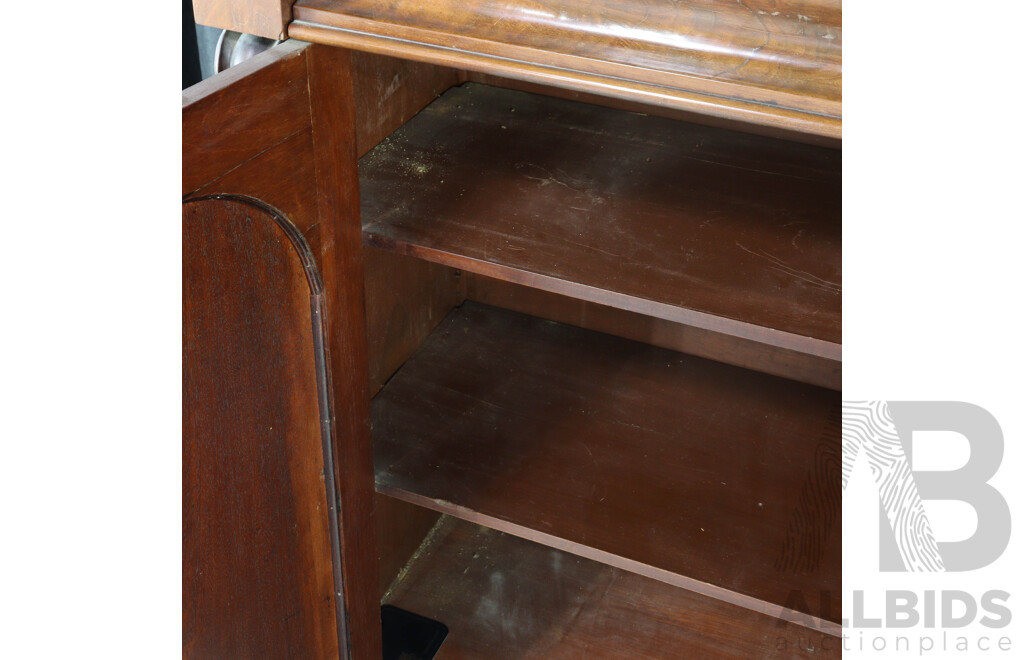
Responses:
[638,106]
[389,91]
[503,597]
[654,331]
[264,18]
[401,528]
[698,474]
[332,115]
[280,128]
[729,232]
[405,300]
[765,62]
[233,116]
[257,576]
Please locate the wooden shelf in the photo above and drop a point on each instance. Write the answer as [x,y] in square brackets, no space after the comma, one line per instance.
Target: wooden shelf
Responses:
[709,477]
[724,231]
[502,596]
[780,66]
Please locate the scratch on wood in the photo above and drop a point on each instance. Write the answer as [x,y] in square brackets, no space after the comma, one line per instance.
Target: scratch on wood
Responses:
[783,267]
[767,38]
[798,234]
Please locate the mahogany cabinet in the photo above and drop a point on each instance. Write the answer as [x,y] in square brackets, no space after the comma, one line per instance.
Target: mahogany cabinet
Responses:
[523,317]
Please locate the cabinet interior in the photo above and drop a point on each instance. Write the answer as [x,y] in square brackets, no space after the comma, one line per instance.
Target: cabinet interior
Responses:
[605,349]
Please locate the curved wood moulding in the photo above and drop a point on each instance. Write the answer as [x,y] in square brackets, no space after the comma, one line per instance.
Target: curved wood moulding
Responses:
[774,64]
[260,530]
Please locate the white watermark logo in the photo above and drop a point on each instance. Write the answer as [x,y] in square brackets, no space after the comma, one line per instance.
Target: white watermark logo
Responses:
[882,431]
[945,619]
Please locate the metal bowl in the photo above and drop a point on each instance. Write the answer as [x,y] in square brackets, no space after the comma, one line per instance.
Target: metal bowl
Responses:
[235,47]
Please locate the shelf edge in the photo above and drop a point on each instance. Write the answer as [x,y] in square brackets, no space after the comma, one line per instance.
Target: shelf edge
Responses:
[810,346]
[668,577]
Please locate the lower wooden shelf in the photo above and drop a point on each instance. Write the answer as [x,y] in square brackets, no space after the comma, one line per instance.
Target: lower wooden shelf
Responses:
[505,597]
[704,476]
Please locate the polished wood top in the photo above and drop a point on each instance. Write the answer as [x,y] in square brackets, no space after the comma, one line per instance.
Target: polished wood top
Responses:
[769,63]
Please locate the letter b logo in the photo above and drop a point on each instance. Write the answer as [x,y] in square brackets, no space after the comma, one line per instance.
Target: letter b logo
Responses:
[883,431]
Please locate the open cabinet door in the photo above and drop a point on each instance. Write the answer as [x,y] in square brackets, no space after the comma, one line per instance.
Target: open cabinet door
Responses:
[278,541]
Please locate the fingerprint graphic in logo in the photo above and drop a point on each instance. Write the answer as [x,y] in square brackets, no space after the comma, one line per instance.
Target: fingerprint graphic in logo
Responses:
[868,427]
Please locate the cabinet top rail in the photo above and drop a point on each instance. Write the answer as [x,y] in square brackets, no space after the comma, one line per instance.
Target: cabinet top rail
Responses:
[775,64]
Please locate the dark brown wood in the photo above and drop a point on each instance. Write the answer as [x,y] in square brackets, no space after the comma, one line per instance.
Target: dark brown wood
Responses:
[638,106]
[256,554]
[587,443]
[281,176]
[657,332]
[674,467]
[771,63]
[340,257]
[256,130]
[264,18]
[405,300]
[401,528]
[233,116]
[247,131]
[389,91]
[504,597]
[732,233]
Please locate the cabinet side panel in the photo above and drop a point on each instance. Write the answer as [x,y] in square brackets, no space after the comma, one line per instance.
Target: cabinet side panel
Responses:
[405,300]
[389,91]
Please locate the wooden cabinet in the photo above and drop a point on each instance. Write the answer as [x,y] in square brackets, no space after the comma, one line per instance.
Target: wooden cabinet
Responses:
[563,371]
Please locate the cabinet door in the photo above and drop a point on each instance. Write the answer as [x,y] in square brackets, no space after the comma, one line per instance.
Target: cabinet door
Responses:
[278,546]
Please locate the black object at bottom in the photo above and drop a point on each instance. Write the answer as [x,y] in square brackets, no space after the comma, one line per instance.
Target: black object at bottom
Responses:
[409,636]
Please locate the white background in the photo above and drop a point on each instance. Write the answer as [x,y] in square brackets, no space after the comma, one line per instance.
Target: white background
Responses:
[932,259]
[90,356]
